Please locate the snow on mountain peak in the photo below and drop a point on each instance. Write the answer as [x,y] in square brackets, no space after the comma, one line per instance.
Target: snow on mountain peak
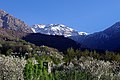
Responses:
[56,29]
[83,33]
[39,26]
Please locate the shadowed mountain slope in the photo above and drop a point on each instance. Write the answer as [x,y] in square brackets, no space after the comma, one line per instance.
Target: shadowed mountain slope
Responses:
[109,39]
[59,42]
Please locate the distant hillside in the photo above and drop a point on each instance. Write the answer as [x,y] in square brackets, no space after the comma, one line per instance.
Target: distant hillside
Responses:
[59,42]
[109,39]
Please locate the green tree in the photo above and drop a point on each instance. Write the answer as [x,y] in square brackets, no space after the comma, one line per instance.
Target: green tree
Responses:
[78,54]
[70,54]
[29,70]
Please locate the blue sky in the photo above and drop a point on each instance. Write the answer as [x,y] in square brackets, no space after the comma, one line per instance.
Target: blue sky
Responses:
[82,15]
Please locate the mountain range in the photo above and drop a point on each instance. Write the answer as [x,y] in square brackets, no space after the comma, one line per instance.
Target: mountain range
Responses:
[108,39]
[58,36]
[56,29]
[13,29]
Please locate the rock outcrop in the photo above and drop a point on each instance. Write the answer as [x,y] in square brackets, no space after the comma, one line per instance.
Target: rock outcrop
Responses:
[9,22]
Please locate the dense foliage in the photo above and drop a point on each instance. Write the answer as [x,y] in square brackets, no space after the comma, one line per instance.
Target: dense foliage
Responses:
[11,68]
[106,56]
[70,65]
[36,71]
[39,72]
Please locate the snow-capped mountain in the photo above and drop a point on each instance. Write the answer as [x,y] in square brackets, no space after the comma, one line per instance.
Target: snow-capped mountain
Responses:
[83,33]
[56,29]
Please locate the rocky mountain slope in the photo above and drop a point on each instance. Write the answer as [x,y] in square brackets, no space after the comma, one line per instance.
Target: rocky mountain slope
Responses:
[10,35]
[56,29]
[9,22]
[12,29]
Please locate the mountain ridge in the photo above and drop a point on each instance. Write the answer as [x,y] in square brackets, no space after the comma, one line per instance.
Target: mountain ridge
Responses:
[107,39]
[13,29]
[10,22]
[56,29]
[58,42]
